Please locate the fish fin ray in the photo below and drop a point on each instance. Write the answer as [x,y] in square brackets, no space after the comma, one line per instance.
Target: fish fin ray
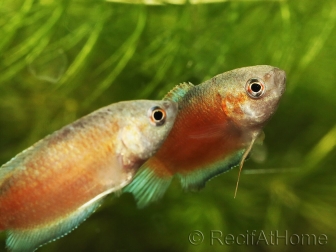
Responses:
[147,186]
[178,92]
[30,239]
[196,180]
[244,157]
[260,138]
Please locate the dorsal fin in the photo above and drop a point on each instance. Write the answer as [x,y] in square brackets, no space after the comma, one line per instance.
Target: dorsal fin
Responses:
[178,92]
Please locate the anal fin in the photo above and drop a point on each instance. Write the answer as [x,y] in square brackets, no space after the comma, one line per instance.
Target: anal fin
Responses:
[28,240]
[196,180]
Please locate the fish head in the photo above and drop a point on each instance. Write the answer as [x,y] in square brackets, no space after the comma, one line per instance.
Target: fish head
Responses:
[146,126]
[252,94]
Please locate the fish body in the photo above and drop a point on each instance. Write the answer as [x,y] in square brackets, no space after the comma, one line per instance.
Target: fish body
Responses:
[217,123]
[50,188]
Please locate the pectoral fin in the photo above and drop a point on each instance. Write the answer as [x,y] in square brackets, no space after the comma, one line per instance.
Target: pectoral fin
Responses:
[147,186]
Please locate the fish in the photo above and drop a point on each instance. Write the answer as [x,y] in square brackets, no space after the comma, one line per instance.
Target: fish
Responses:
[217,124]
[50,188]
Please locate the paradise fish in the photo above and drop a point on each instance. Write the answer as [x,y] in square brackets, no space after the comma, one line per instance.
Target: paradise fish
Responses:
[216,126]
[53,186]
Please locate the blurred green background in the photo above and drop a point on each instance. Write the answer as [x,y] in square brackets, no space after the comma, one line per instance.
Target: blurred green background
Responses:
[60,60]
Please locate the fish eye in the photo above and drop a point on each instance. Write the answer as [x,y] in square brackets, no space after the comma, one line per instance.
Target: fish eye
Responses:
[255,88]
[157,116]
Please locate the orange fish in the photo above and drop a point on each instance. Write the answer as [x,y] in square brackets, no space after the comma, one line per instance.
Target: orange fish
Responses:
[216,126]
[53,186]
